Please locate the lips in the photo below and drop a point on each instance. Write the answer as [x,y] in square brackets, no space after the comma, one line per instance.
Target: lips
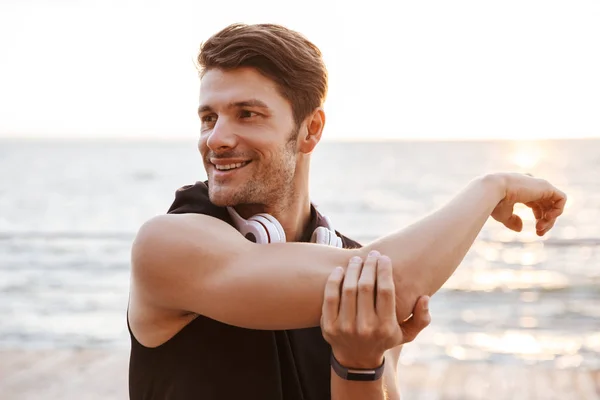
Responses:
[230,166]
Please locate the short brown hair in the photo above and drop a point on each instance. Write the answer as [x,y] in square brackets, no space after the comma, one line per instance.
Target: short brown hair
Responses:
[281,54]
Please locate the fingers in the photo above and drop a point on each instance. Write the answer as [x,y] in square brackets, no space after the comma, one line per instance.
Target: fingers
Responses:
[551,207]
[546,212]
[366,289]
[386,294]
[537,210]
[514,222]
[559,201]
[419,320]
[331,302]
[504,213]
[349,288]
[543,226]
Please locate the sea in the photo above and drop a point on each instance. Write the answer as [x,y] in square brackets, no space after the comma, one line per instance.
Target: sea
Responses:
[69,210]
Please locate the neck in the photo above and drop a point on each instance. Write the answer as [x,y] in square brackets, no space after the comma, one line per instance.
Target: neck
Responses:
[295,218]
[293,213]
[292,209]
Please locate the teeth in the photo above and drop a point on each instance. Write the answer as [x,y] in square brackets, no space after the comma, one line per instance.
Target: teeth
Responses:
[229,166]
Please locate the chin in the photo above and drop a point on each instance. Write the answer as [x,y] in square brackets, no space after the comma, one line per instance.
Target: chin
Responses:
[219,195]
[223,195]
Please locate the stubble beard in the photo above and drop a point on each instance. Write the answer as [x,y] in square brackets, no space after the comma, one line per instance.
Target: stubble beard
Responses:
[270,185]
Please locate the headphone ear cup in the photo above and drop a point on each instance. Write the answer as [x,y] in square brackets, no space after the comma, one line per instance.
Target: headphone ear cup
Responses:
[252,230]
[321,236]
[325,236]
[277,225]
[334,239]
[272,226]
[338,241]
[255,230]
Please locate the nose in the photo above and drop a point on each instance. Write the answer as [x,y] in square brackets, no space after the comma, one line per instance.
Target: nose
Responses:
[221,136]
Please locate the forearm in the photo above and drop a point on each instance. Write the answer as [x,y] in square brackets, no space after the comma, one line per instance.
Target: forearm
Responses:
[426,253]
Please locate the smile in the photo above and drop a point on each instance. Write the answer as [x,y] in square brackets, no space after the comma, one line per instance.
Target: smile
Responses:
[229,167]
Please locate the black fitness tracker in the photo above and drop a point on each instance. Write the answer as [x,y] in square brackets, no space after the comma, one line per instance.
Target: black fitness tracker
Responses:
[356,374]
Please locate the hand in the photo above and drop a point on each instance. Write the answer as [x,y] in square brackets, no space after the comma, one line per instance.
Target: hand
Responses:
[546,201]
[359,318]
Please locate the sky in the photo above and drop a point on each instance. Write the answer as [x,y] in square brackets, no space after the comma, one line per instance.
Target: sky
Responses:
[426,70]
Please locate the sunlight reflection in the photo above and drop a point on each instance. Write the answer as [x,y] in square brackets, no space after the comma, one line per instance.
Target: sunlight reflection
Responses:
[593,342]
[507,279]
[529,297]
[527,155]
[528,322]
[520,343]
[466,353]
[530,254]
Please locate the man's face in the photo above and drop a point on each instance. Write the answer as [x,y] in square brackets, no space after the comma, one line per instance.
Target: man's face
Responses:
[247,137]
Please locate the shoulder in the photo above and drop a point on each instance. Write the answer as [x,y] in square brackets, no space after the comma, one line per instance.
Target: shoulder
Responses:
[171,249]
[174,235]
[164,238]
[192,224]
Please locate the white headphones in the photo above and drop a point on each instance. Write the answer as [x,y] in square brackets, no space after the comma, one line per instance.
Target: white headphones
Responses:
[264,228]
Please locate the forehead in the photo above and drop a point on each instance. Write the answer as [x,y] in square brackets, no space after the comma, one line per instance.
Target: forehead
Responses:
[219,87]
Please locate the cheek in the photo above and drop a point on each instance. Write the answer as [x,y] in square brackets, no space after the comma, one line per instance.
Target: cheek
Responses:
[202,144]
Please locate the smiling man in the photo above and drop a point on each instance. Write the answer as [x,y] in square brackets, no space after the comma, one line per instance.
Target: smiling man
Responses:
[213,315]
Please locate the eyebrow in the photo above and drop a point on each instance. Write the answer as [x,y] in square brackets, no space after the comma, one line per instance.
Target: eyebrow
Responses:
[255,103]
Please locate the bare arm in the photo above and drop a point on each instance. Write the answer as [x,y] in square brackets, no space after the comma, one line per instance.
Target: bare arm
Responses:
[390,376]
[199,264]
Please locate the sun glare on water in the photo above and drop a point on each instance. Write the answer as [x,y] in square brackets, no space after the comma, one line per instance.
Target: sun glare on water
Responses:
[526,156]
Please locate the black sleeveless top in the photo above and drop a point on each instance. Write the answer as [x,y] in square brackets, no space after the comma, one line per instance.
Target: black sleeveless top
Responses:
[210,360]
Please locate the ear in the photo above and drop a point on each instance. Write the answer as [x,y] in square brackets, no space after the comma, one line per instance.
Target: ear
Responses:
[311,132]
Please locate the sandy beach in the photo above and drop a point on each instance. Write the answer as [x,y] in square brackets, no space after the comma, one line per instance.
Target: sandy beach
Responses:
[102,374]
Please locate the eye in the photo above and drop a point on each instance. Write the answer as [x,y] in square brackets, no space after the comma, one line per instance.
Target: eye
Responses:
[247,114]
[208,119]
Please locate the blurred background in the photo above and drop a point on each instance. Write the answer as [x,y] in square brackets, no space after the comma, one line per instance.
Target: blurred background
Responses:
[98,128]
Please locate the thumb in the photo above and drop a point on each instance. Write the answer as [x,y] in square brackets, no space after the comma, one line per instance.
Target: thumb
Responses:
[514,222]
[419,320]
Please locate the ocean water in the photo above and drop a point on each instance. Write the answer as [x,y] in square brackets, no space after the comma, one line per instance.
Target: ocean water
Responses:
[69,211]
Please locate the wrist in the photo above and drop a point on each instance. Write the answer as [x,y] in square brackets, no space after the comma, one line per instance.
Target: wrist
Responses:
[357,373]
[364,362]
[495,184]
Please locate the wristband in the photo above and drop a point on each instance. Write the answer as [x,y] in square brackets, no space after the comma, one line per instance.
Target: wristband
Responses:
[356,374]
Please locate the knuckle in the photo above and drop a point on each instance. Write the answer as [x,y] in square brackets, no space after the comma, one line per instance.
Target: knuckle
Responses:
[365,331]
[328,328]
[347,329]
[387,330]
[331,298]
[385,290]
[333,281]
[426,320]
[349,290]
[366,287]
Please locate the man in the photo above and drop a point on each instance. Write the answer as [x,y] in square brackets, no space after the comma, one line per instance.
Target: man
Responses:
[215,316]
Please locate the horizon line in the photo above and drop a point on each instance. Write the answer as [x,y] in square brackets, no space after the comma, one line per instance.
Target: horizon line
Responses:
[179,139]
